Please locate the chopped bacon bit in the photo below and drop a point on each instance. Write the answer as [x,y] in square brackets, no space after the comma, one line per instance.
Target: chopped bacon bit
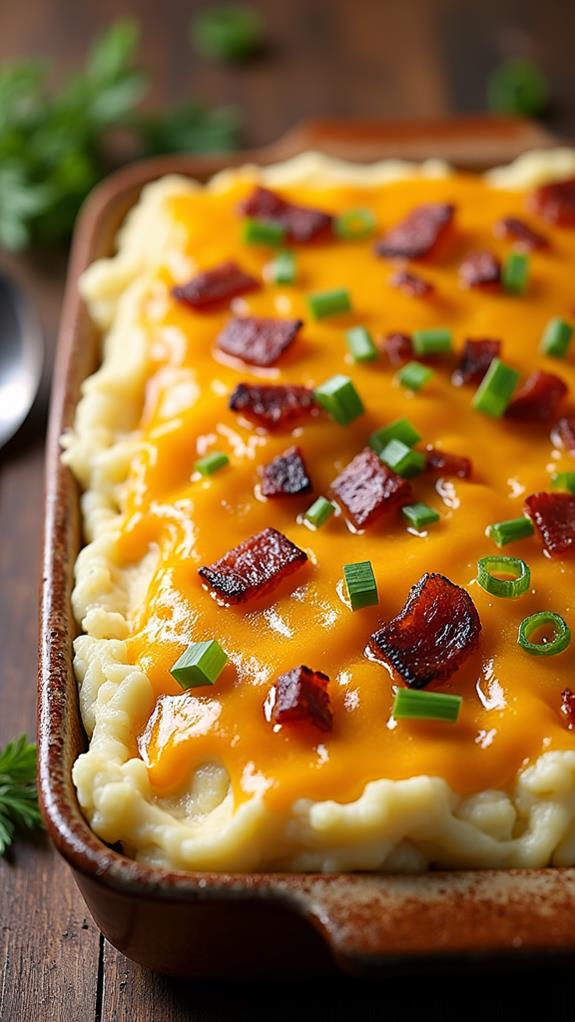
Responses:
[480,269]
[418,234]
[254,567]
[257,340]
[301,223]
[398,348]
[273,406]
[568,707]
[563,434]
[301,696]
[475,361]
[367,489]
[555,202]
[448,464]
[286,475]
[434,632]
[511,228]
[538,398]
[411,284]
[224,282]
[554,516]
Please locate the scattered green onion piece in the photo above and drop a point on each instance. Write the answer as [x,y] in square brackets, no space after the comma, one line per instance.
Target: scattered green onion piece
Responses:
[511,530]
[355,224]
[496,389]
[517,87]
[262,232]
[556,338]
[283,268]
[211,463]
[420,515]
[542,619]
[399,429]
[414,375]
[432,342]
[360,584]
[329,303]
[403,459]
[201,664]
[360,344]
[228,32]
[340,399]
[564,481]
[319,512]
[488,568]
[418,705]
[515,272]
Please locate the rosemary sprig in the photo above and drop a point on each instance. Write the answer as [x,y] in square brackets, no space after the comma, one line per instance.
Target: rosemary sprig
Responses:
[18,796]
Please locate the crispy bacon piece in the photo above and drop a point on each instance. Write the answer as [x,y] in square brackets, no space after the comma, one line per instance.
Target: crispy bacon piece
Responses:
[538,398]
[254,567]
[563,434]
[554,516]
[480,269]
[273,406]
[301,223]
[286,475]
[367,489]
[434,632]
[418,234]
[411,284]
[257,340]
[568,707]
[511,228]
[210,287]
[301,696]
[478,354]
[448,464]
[555,202]
[398,348]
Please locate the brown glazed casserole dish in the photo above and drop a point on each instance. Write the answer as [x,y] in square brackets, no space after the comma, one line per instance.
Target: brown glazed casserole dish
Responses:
[197,924]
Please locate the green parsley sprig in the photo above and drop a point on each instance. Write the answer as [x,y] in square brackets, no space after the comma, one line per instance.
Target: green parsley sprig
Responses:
[18,796]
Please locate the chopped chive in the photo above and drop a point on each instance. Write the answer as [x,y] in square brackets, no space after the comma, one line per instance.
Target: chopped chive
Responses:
[403,459]
[564,481]
[340,399]
[360,584]
[490,568]
[515,272]
[211,463]
[414,375]
[360,344]
[201,664]
[354,224]
[544,619]
[417,705]
[432,342]
[262,232]
[283,268]
[329,303]
[496,389]
[399,429]
[556,338]
[420,515]
[319,512]
[511,530]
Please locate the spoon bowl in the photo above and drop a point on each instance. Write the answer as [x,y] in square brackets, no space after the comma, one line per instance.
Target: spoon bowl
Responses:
[21,357]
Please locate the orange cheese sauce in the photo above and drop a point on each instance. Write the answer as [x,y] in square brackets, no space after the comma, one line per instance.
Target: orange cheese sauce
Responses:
[511,700]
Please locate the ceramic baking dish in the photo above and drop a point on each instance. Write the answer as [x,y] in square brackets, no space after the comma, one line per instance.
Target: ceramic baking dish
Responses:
[207,924]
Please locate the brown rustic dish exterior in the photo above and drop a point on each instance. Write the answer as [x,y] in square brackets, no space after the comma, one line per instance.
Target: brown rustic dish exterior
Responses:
[210,924]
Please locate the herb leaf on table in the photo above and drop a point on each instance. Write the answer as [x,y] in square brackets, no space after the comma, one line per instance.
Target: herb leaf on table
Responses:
[18,796]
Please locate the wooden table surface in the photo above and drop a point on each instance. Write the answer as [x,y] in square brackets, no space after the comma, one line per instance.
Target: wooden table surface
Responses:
[367,58]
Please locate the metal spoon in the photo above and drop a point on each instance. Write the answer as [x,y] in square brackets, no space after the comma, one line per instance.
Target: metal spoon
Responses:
[21,357]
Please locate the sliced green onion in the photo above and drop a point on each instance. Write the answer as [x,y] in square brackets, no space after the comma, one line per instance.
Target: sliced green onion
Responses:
[403,459]
[360,344]
[496,389]
[340,399]
[414,375]
[355,224]
[211,463]
[517,87]
[489,569]
[227,32]
[544,619]
[511,530]
[432,342]
[283,268]
[201,664]
[515,272]
[262,232]
[420,515]
[329,303]
[418,705]
[564,481]
[360,584]
[556,338]
[319,512]
[399,429]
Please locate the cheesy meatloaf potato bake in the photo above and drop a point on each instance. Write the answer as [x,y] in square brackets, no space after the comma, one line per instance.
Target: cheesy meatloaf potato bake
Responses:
[329,508]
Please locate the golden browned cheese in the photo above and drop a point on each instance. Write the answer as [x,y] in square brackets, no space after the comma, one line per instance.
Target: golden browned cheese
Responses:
[511,700]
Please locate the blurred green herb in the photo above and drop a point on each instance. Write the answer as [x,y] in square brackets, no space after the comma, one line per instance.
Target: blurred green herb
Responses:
[518,87]
[230,32]
[54,146]
[18,798]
